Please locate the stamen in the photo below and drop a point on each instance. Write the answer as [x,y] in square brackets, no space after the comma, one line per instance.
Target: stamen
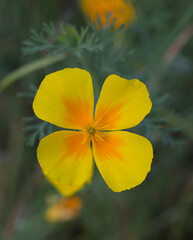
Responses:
[99,136]
[86,138]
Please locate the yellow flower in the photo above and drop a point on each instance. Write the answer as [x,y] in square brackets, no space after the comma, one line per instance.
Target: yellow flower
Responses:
[64,210]
[122,11]
[65,99]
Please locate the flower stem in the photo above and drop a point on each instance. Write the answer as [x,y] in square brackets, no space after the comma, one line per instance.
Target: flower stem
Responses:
[29,68]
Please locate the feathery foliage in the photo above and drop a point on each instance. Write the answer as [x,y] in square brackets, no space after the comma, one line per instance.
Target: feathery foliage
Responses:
[64,38]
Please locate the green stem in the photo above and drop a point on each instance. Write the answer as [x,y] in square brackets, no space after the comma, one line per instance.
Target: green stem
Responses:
[29,68]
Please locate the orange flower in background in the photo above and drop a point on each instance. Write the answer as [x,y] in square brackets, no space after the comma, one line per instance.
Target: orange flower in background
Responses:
[66,99]
[65,209]
[121,10]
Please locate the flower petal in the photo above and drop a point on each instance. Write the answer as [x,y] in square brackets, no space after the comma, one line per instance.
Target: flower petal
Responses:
[65,189]
[65,98]
[65,158]
[122,103]
[121,10]
[123,159]
[64,210]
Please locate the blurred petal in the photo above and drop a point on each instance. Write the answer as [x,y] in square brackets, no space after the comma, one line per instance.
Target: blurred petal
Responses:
[122,103]
[65,98]
[122,11]
[65,189]
[123,159]
[65,158]
[64,210]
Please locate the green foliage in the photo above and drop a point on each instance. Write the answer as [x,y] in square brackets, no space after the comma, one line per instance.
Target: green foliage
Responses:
[38,131]
[156,125]
[64,38]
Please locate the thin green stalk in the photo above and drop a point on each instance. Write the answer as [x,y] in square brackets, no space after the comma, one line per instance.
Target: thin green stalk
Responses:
[29,68]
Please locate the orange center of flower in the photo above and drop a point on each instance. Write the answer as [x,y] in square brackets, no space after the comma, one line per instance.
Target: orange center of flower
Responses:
[92,134]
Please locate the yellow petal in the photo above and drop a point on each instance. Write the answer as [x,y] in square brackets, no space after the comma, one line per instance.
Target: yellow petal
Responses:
[64,210]
[65,98]
[65,158]
[122,103]
[65,189]
[123,159]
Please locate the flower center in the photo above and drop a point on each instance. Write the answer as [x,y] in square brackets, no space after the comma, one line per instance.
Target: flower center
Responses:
[91,130]
[92,134]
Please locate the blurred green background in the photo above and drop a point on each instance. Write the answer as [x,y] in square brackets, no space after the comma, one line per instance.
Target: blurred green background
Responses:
[160,53]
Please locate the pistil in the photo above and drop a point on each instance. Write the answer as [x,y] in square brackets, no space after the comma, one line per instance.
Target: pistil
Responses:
[91,130]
